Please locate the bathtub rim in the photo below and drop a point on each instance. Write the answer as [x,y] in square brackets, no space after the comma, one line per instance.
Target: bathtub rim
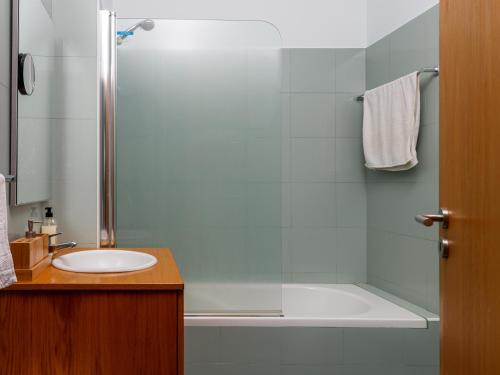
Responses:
[414,317]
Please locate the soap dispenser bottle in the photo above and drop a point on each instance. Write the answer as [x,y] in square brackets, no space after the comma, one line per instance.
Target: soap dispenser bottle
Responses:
[49,225]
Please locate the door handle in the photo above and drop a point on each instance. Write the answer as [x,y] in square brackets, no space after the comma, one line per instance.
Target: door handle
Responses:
[442,217]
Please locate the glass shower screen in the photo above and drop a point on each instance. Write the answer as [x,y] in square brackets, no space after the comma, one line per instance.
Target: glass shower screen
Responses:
[198,150]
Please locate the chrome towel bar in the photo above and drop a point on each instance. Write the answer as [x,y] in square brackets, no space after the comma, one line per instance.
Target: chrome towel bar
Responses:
[434,71]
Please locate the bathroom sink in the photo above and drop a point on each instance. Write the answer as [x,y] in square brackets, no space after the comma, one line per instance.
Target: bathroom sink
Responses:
[104,261]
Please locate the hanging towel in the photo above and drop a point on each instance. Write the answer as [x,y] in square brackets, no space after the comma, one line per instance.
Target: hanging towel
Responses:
[7,273]
[391,120]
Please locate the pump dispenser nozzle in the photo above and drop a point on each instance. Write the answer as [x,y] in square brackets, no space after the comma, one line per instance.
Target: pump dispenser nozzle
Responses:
[31,233]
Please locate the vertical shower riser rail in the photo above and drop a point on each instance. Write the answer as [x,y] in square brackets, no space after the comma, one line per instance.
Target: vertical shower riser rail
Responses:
[107,123]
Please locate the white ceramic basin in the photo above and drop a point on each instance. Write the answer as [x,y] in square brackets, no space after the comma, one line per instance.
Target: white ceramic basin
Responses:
[104,261]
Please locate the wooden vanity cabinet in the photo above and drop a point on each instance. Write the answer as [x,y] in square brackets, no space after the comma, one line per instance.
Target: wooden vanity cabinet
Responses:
[132,327]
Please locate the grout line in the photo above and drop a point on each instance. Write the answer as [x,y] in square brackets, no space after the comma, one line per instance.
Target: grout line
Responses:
[58,118]
[327,138]
[401,234]
[334,161]
[66,56]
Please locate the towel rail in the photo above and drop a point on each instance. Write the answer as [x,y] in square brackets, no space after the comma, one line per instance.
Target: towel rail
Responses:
[434,71]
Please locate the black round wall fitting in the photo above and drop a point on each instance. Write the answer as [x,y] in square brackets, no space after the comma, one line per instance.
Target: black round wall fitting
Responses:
[26,74]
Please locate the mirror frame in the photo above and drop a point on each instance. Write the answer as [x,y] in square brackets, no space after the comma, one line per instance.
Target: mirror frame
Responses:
[14,50]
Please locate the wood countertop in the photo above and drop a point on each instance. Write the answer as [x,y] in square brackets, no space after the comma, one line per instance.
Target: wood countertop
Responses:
[164,275]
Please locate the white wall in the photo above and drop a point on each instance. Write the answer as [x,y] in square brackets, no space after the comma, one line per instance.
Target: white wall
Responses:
[74,184]
[385,16]
[302,23]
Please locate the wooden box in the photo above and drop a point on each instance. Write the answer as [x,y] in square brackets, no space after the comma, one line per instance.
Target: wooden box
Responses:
[30,256]
[29,274]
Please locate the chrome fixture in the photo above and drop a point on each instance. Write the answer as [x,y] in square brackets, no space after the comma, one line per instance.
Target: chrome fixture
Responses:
[442,217]
[30,233]
[107,119]
[434,71]
[54,249]
[444,248]
[10,178]
[63,245]
[146,25]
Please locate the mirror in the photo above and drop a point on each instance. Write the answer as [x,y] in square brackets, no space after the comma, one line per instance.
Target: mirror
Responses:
[32,109]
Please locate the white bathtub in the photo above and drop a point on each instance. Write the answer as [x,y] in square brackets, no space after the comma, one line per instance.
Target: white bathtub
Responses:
[324,305]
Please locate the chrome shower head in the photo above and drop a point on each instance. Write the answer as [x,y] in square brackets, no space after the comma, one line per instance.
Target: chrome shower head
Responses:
[146,25]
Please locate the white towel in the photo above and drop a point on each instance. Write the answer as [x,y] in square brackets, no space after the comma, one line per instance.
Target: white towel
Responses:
[7,273]
[391,121]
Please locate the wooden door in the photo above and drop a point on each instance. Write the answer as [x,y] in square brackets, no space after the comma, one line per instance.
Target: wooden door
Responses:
[470,186]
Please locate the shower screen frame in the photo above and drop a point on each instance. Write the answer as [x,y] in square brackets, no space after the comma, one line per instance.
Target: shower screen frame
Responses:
[107,129]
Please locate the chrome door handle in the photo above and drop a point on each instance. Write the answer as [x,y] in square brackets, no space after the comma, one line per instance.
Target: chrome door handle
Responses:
[442,217]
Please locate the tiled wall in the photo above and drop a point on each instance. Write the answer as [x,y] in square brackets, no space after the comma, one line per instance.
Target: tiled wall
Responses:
[312,351]
[402,255]
[327,202]
[324,193]
[323,210]
[207,182]
[74,163]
